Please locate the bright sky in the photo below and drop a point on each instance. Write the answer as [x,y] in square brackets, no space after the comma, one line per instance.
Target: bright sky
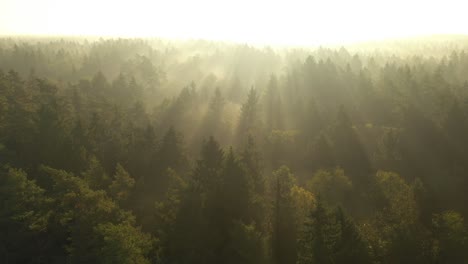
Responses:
[256,21]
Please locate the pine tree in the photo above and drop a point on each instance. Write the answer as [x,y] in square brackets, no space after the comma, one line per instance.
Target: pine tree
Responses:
[171,152]
[249,121]
[272,105]
[236,188]
[283,222]
[351,247]
[200,225]
[207,173]
[319,237]
[95,176]
[349,152]
[25,214]
[122,186]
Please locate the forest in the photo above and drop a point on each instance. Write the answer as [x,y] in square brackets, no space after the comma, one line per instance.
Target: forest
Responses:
[145,150]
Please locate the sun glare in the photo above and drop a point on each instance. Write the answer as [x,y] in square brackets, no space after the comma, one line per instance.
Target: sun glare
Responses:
[294,22]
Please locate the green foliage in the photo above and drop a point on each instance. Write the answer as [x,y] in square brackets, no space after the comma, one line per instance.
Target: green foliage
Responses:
[165,135]
[168,209]
[207,173]
[349,150]
[122,185]
[333,186]
[281,145]
[236,188]
[451,237]
[252,161]
[122,243]
[284,229]
[249,121]
[247,244]
[79,209]
[400,206]
[214,124]
[395,234]
[352,246]
[331,237]
[272,105]
[25,212]
[23,200]
[171,152]
[321,154]
[96,176]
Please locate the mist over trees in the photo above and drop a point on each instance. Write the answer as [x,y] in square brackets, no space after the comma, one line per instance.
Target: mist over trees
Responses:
[155,151]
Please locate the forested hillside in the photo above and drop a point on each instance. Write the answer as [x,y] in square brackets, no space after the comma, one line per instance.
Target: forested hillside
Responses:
[156,151]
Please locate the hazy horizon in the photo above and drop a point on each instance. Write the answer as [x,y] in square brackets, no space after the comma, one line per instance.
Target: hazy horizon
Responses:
[300,23]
